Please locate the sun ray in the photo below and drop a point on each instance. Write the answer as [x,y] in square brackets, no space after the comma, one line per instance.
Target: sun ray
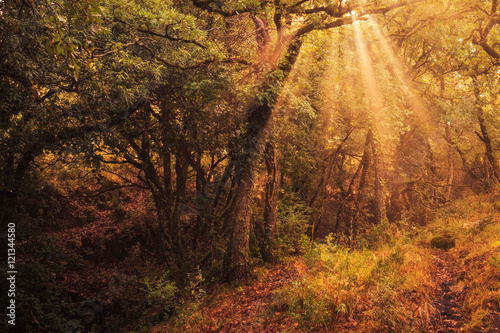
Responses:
[375,100]
[416,104]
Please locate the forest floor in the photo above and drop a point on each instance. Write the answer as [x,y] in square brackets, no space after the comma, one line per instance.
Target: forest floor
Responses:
[253,307]
[411,286]
[395,278]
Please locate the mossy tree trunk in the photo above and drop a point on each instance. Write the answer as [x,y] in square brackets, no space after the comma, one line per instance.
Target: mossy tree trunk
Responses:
[244,162]
[484,136]
[271,201]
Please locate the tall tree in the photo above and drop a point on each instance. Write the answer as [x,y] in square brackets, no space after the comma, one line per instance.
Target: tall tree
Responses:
[292,21]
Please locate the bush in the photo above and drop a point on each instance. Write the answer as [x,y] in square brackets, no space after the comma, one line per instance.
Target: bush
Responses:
[160,292]
[293,222]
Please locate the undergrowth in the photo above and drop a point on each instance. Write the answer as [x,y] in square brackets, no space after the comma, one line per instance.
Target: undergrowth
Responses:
[384,283]
[385,288]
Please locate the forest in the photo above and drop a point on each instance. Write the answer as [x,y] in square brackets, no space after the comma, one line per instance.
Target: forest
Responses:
[250,165]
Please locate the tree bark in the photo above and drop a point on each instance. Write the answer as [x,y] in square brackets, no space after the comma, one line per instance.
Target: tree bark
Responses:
[245,162]
[450,160]
[237,268]
[259,121]
[380,211]
[272,194]
[485,136]
[271,201]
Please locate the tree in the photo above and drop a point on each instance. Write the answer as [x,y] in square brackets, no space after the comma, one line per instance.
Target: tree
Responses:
[292,21]
[98,80]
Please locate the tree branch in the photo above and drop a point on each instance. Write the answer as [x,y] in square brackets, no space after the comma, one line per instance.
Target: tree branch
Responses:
[102,126]
[479,136]
[169,37]
[278,11]
[482,39]
[217,6]
[200,63]
[345,20]
[330,10]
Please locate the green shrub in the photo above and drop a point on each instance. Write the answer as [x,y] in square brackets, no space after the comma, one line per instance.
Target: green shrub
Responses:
[381,234]
[293,221]
[160,292]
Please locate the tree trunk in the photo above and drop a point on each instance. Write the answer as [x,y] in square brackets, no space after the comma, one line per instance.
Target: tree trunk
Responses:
[181,174]
[259,122]
[485,137]
[271,203]
[450,161]
[363,168]
[272,193]
[245,162]
[236,264]
[380,211]
[465,164]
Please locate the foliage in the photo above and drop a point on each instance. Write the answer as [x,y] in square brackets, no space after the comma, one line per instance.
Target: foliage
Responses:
[342,284]
[293,223]
[388,288]
[132,135]
[160,292]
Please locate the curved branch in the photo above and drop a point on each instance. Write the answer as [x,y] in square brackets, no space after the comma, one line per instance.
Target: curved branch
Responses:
[217,6]
[171,38]
[69,133]
[346,20]
[487,48]
[330,10]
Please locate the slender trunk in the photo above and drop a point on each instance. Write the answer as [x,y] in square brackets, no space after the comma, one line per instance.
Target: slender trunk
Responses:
[486,167]
[429,155]
[489,149]
[465,164]
[321,189]
[271,203]
[272,193]
[450,160]
[363,168]
[181,173]
[366,160]
[485,137]
[380,212]
[201,226]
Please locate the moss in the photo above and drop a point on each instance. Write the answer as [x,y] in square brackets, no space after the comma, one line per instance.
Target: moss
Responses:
[443,241]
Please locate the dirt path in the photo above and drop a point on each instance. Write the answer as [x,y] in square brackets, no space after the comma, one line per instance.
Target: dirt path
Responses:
[447,317]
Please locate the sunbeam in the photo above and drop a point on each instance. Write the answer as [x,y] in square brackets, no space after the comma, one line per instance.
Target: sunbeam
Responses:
[416,105]
[369,81]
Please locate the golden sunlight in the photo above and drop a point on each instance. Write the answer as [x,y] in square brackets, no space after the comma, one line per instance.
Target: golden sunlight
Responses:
[368,75]
[397,69]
